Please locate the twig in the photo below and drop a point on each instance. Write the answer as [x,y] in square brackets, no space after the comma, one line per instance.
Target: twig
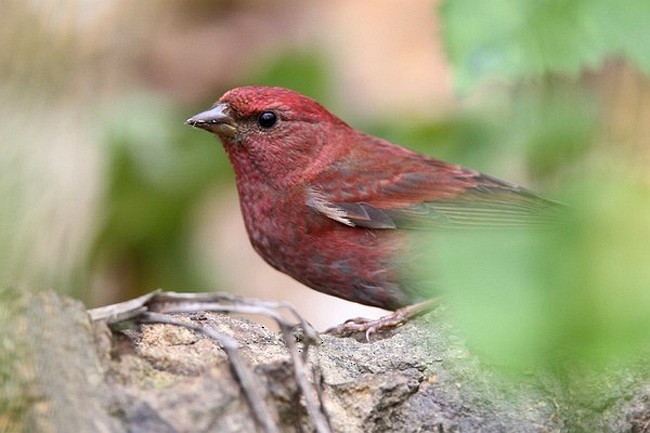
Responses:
[153,308]
[241,371]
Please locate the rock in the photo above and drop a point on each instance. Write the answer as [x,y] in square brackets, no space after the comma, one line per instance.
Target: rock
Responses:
[63,373]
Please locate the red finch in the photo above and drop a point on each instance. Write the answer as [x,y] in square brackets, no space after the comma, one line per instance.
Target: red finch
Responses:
[332,207]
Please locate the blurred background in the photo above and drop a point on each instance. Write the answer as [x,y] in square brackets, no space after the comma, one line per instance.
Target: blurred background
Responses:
[106,194]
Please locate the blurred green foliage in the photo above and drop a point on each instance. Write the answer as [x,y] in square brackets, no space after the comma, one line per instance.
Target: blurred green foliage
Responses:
[508,39]
[158,171]
[576,294]
[598,266]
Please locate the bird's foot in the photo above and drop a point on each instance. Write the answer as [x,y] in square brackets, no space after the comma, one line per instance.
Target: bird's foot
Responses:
[390,321]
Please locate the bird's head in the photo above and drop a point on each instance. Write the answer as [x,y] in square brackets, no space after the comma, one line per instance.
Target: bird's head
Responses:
[282,133]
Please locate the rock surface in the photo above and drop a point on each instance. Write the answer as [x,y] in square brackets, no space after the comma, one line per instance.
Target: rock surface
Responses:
[62,373]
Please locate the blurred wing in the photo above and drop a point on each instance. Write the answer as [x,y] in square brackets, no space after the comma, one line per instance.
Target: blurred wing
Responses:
[433,194]
[480,207]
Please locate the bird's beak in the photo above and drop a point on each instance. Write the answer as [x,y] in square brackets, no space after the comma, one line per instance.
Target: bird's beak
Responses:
[217,120]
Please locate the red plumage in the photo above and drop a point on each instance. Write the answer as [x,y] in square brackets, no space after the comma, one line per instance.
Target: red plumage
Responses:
[333,207]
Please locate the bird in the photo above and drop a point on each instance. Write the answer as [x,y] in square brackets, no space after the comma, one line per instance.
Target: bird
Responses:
[338,209]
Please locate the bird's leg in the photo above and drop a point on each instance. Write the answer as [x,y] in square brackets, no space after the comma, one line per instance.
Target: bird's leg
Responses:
[393,320]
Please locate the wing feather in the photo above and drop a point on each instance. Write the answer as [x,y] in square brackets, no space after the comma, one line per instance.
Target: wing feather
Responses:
[398,188]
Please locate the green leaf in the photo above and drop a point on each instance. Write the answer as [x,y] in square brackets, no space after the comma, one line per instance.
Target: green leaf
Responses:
[522,38]
[572,293]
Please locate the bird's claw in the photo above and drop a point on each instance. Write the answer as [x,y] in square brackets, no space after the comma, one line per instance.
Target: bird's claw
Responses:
[372,326]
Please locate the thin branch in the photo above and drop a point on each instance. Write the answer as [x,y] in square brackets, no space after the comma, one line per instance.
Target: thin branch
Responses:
[241,371]
[154,308]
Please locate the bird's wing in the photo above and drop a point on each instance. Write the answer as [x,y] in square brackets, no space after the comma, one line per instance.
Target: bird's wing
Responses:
[411,191]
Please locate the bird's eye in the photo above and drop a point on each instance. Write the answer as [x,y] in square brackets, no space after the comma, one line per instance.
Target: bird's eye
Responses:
[267,119]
